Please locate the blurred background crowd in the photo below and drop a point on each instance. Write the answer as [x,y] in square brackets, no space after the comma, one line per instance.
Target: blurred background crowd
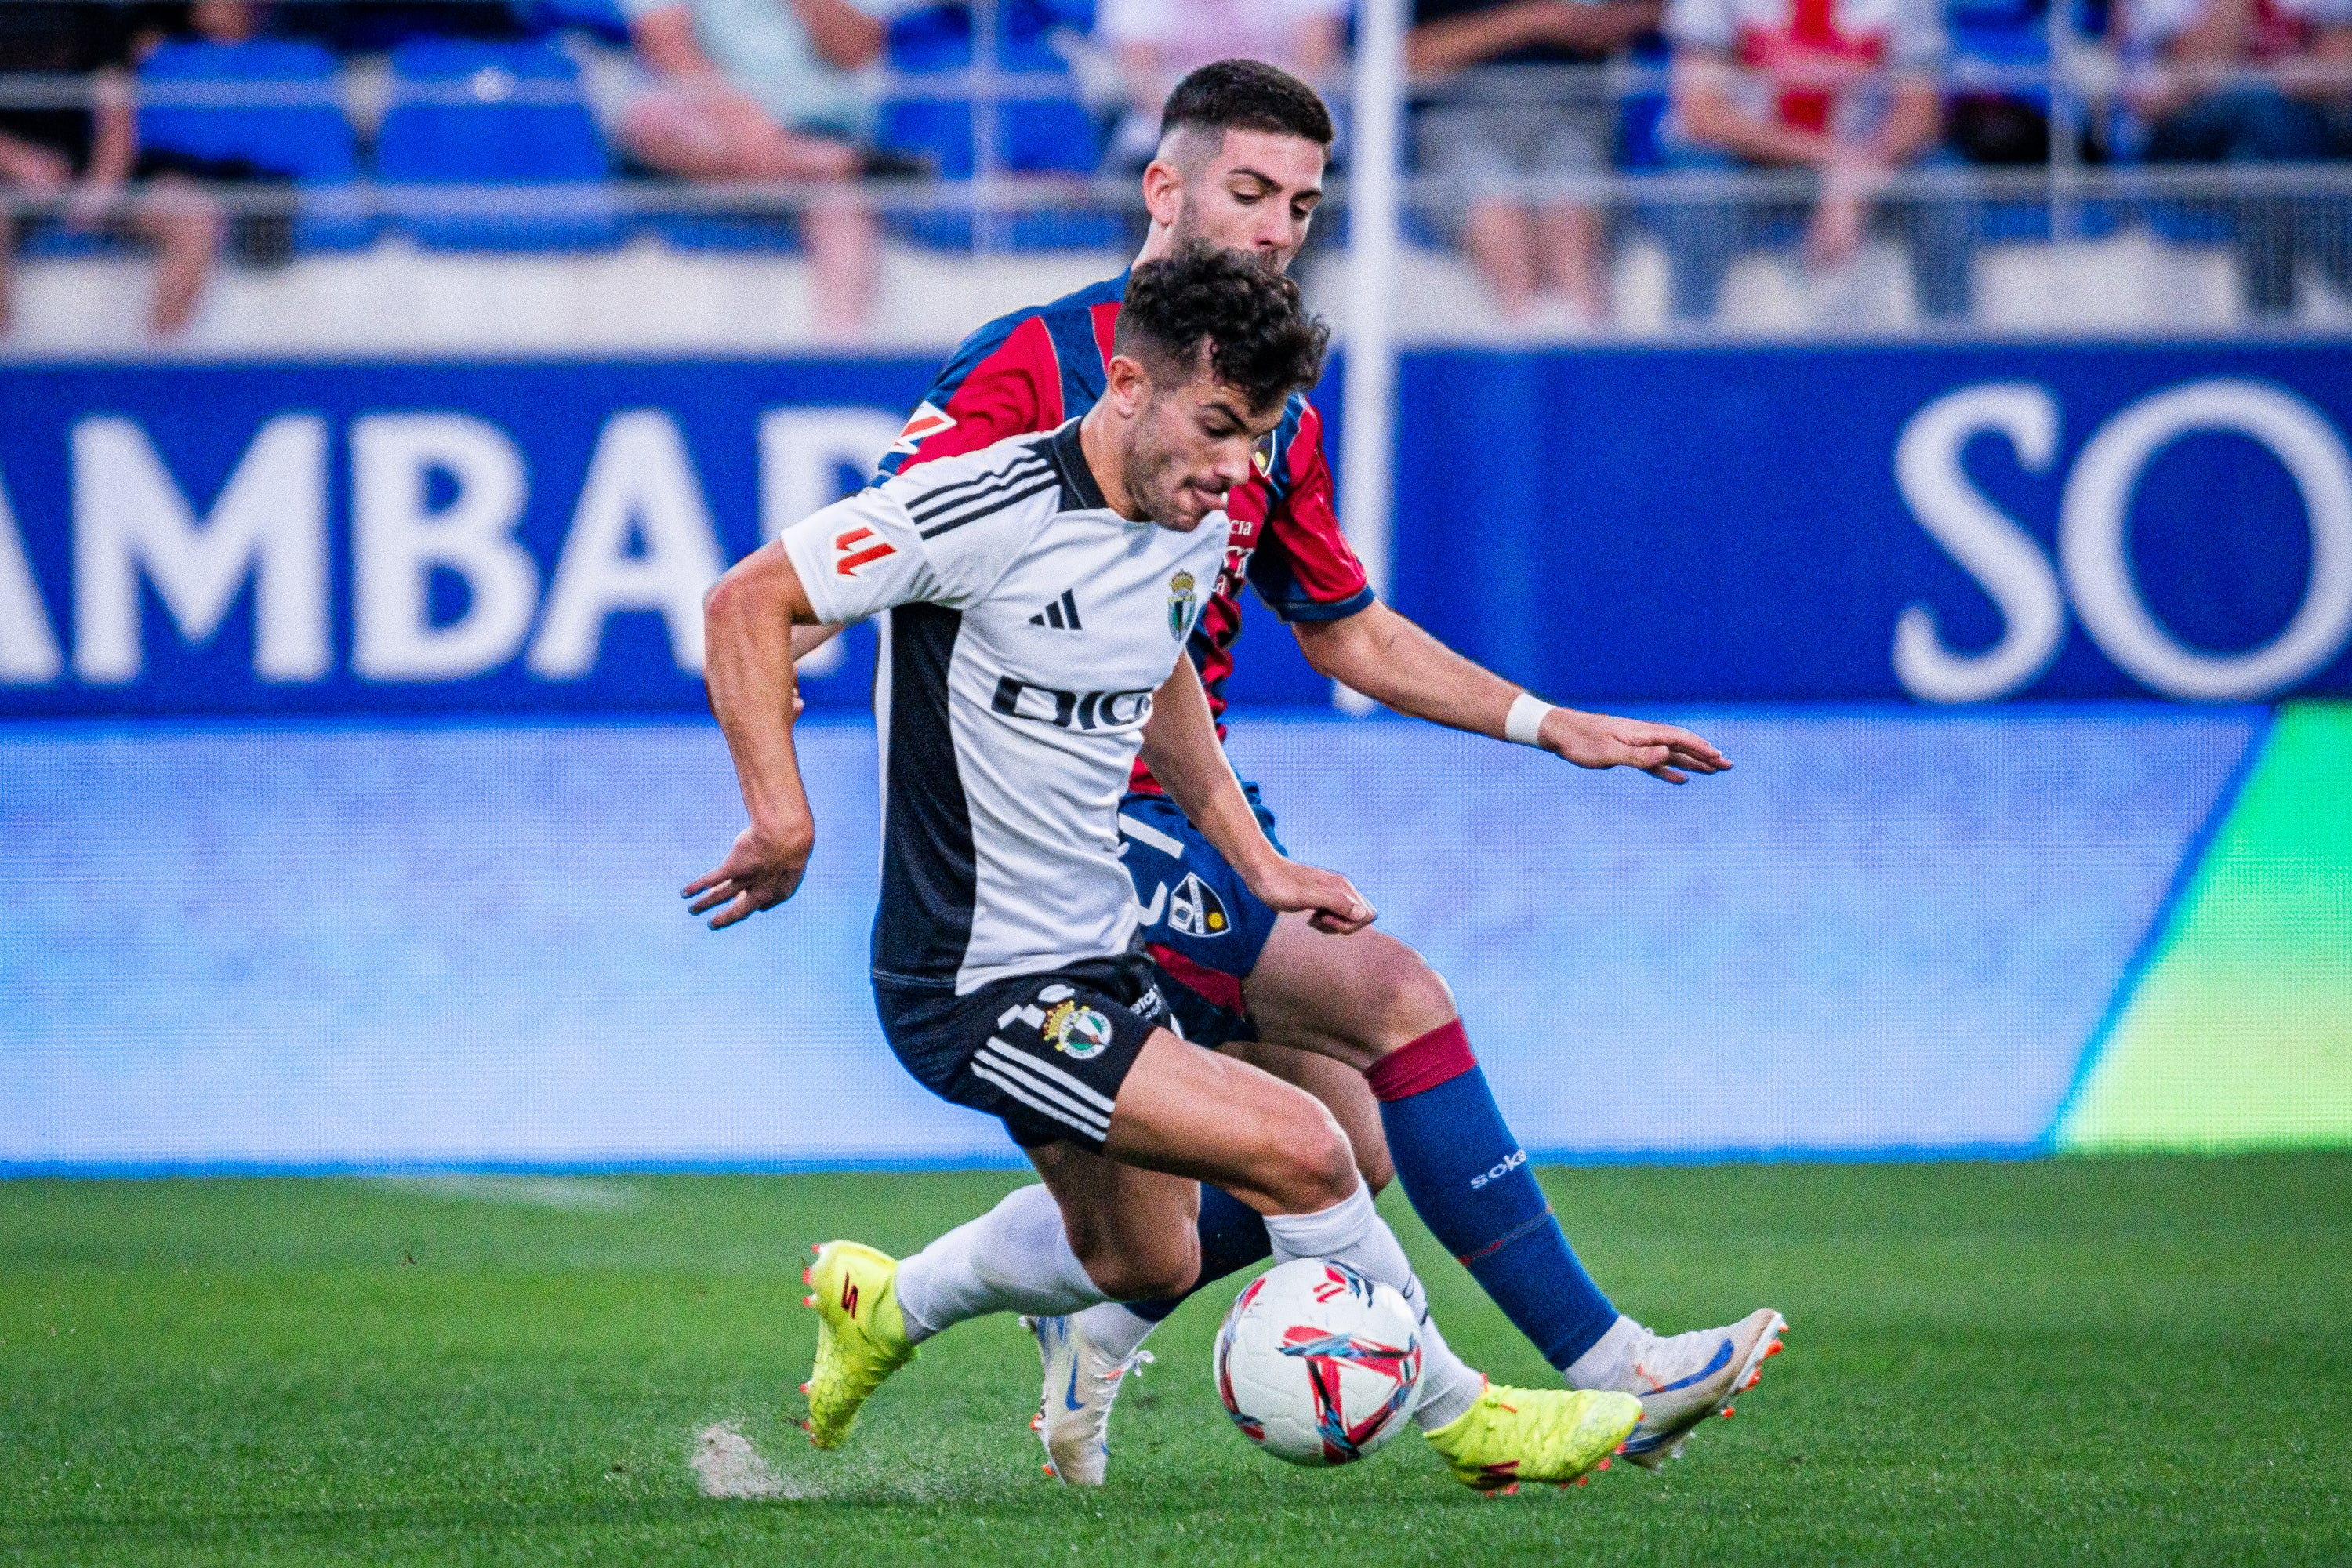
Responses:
[1549,140]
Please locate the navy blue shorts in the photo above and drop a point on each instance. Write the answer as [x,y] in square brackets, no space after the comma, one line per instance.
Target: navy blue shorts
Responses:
[1044,1054]
[1203,925]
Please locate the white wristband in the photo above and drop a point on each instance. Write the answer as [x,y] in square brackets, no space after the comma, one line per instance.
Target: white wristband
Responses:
[1523,726]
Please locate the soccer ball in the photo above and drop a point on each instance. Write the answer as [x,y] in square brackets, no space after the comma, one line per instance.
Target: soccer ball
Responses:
[1318,1364]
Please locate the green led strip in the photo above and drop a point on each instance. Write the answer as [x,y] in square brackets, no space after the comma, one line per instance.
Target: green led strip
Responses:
[2238,1034]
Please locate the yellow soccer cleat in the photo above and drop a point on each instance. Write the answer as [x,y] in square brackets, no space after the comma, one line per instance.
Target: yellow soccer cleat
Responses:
[1515,1435]
[861,1335]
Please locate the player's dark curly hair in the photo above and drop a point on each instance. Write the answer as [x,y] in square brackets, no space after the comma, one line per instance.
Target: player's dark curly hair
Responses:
[1246,95]
[1261,340]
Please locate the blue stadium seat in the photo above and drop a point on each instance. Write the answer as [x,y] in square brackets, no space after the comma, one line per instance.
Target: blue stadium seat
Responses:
[306,139]
[601,19]
[1641,115]
[1026,30]
[497,132]
[2179,221]
[1052,135]
[2002,34]
[1048,135]
[47,238]
[2013,34]
[940,128]
[762,232]
[1035,136]
[935,39]
[938,37]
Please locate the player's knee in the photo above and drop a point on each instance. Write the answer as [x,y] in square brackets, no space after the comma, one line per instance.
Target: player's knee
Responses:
[1404,998]
[1310,1165]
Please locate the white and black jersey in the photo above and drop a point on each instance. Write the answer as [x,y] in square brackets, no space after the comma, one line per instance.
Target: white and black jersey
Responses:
[1030,627]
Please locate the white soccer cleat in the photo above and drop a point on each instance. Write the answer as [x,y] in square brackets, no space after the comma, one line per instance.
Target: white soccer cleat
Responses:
[1073,1415]
[1682,1379]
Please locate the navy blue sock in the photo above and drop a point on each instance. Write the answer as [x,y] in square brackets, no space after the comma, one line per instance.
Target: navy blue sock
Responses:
[1468,1180]
[1232,1236]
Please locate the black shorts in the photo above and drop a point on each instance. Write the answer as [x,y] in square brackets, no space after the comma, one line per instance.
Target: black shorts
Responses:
[1044,1054]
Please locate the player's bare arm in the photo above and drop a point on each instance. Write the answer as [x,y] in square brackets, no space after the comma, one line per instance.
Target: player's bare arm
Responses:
[1180,747]
[806,640]
[751,617]
[1395,662]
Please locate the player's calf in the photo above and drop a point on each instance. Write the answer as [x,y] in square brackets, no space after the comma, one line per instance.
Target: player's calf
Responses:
[1198,1114]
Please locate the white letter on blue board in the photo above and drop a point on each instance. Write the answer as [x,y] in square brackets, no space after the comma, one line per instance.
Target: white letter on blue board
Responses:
[1987,543]
[397,541]
[270,523]
[2094,522]
[641,482]
[28,648]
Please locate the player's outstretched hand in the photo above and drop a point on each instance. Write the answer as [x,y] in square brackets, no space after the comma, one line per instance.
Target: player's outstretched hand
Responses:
[1329,900]
[759,873]
[1598,741]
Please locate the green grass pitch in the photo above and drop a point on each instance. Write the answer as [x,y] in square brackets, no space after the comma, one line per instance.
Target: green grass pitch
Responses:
[2104,1361]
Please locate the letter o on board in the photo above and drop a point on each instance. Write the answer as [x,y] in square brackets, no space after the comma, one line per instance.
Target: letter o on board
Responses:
[2094,525]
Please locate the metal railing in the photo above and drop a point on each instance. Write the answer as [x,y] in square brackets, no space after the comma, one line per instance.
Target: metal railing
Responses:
[1977,248]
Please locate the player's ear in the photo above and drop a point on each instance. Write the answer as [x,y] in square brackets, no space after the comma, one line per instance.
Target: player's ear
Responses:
[1164,192]
[1128,385]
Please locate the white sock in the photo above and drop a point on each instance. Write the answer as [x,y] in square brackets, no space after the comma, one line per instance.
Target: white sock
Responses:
[1352,1232]
[1607,1363]
[1115,1330]
[1013,1258]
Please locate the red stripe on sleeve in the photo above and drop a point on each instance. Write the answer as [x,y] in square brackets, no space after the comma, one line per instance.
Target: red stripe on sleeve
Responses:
[1307,528]
[1106,317]
[1016,391]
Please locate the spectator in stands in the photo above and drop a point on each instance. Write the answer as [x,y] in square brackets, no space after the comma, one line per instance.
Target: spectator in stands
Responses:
[768,90]
[88,154]
[1478,133]
[2195,115]
[1159,42]
[261,233]
[1843,89]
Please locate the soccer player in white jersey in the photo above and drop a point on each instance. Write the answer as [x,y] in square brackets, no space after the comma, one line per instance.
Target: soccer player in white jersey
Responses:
[1361,1021]
[1007,971]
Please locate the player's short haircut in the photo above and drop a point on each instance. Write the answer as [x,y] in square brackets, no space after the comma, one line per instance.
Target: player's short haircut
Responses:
[1246,95]
[1248,317]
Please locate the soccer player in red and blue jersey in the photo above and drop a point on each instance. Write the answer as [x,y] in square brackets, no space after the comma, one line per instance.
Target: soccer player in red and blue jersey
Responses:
[1359,1020]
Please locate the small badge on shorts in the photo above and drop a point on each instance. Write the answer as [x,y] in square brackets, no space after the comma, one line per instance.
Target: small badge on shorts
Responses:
[1078,1031]
[1183,598]
[1194,910]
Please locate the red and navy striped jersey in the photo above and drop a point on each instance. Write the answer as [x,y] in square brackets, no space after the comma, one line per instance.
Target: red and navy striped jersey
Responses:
[1034,369]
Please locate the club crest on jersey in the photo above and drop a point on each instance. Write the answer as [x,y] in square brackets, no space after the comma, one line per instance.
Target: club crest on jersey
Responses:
[1184,600]
[854,549]
[921,426]
[1262,454]
[1194,910]
[1078,1031]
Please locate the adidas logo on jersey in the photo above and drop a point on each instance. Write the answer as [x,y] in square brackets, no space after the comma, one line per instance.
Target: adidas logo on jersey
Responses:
[1062,615]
